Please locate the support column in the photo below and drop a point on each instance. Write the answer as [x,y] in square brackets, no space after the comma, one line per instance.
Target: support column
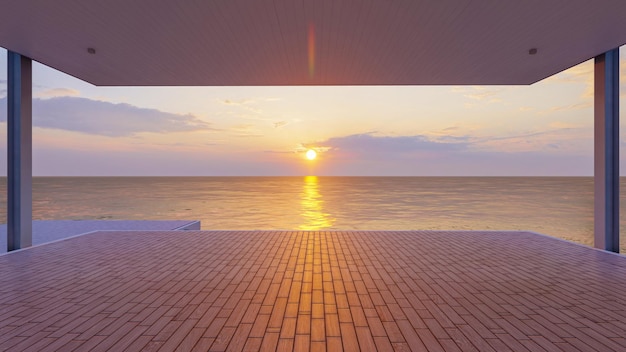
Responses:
[606,151]
[19,137]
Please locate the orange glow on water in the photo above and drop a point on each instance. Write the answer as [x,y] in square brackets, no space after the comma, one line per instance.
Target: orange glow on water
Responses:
[311,41]
[313,213]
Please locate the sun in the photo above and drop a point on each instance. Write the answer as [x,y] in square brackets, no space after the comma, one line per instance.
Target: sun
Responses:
[311,154]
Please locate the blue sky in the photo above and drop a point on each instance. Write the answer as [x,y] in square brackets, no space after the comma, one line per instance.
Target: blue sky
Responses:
[542,129]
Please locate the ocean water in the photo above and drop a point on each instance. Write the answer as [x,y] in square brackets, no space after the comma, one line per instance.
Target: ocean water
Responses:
[557,206]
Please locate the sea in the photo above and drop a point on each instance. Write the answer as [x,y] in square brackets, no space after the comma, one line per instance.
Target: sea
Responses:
[556,206]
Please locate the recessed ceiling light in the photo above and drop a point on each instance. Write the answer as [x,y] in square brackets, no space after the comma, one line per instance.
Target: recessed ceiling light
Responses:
[91,50]
[532,51]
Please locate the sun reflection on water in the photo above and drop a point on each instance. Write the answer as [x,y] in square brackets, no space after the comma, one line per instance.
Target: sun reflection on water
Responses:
[313,207]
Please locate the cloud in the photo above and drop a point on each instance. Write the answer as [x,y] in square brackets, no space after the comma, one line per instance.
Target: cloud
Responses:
[250,105]
[237,102]
[243,127]
[106,119]
[246,104]
[280,124]
[454,139]
[564,125]
[371,155]
[566,138]
[480,93]
[303,148]
[588,104]
[57,92]
[584,74]
[570,139]
[247,101]
[249,135]
[524,135]
[368,144]
[245,130]
[581,73]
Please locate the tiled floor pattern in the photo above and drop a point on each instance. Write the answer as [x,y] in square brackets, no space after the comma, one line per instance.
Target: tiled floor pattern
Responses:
[295,290]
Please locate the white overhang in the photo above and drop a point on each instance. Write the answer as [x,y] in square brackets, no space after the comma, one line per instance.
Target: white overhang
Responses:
[311,42]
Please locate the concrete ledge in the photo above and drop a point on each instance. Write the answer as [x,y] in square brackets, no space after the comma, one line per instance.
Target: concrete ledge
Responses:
[194,225]
[45,231]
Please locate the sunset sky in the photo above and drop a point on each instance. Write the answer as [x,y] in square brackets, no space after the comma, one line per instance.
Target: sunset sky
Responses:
[542,129]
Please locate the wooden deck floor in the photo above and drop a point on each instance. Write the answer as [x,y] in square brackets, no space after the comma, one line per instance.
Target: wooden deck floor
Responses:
[283,291]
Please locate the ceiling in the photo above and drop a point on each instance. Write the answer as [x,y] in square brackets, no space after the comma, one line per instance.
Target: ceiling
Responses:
[311,42]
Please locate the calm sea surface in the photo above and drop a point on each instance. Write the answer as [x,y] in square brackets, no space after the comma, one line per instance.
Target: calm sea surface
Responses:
[557,206]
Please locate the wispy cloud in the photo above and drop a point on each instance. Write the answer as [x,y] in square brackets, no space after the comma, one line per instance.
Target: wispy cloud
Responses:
[371,154]
[369,144]
[582,73]
[304,147]
[249,134]
[280,124]
[480,93]
[240,102]
[450,129]
[249,105]
[565,137]
[520,136]
[247,101]
[106,119]
[587,104]
[57,92]
[246,130]
[249,108]
[243,127]
[564,125]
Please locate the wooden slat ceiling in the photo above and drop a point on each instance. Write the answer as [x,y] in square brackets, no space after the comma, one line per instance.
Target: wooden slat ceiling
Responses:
[311,42]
